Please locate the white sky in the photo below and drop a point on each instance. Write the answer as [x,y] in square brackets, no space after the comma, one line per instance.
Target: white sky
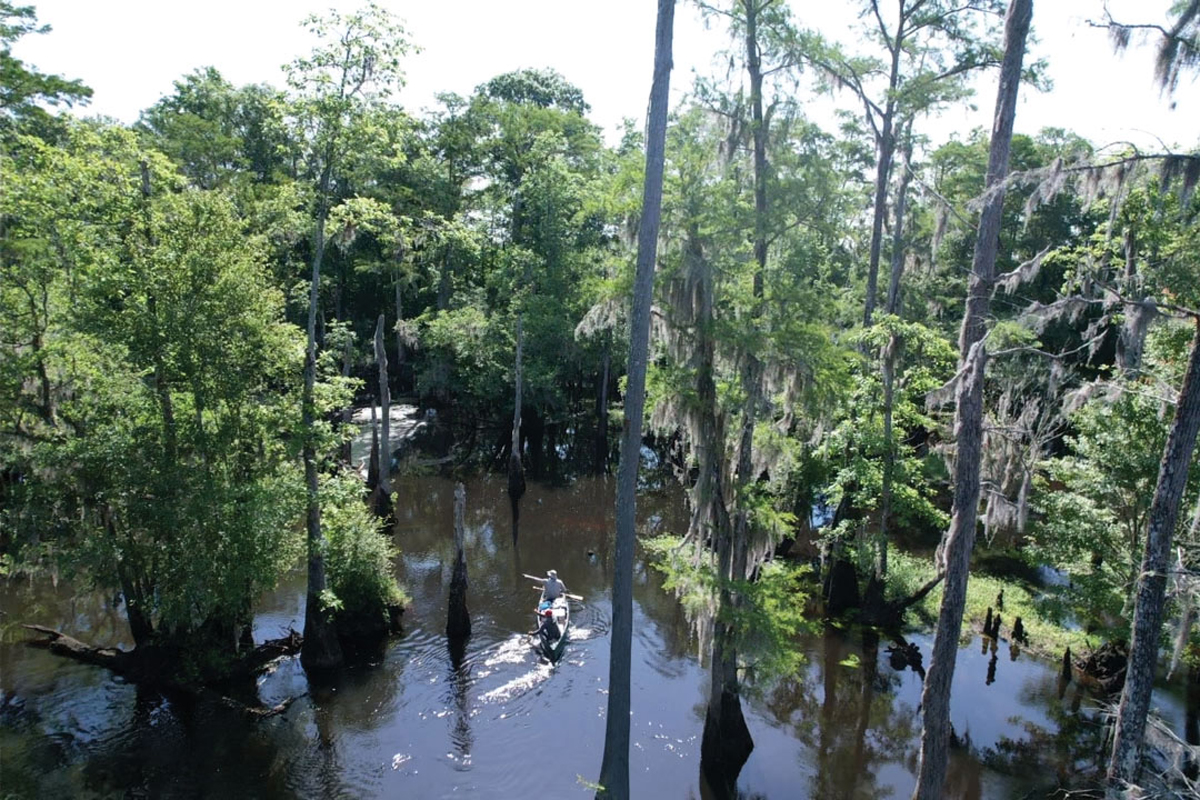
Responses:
[130,52]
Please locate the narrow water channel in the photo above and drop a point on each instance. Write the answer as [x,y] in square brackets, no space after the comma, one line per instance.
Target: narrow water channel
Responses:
[507,724]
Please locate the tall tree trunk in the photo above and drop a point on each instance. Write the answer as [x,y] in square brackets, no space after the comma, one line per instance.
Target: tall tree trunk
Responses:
[898,248]
[614,768]
[385,410]
[726,742]
[516,471]
[1152,583]
[321,649]
[883,171]
[889,358]
[968,428]
[399,339]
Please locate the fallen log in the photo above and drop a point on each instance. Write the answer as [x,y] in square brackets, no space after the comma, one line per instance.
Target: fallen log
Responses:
[150,666]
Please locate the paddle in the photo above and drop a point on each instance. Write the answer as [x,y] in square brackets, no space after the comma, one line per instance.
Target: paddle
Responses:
[576,597]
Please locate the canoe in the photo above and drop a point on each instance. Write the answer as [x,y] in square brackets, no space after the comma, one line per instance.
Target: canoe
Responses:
[547,643]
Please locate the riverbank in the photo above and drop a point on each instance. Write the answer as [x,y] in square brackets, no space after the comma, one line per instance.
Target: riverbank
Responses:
[1044,637]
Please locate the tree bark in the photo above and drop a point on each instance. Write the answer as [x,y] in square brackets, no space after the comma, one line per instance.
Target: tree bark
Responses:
[614,769]
[893,296]
[935,699]
[1125,764]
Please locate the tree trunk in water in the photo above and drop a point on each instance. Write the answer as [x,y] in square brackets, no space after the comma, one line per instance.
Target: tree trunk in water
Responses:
[373,458]
[516,472]
[382,505]
[1148,611]
[321,649]
[458,621]
[726,742]
[141,627]
[614,769]
[935,699]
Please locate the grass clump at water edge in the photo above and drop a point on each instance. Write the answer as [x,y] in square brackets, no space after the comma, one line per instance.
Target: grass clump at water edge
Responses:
[1045,636]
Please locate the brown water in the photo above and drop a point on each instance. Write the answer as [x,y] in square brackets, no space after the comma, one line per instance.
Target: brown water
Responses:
[508,724]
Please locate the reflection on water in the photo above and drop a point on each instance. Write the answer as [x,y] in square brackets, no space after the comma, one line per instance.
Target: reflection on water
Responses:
[502,722]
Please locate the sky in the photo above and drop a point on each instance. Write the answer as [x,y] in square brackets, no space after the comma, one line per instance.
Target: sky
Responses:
[131,51]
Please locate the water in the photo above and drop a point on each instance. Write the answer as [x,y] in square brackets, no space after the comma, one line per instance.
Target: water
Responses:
[508,724]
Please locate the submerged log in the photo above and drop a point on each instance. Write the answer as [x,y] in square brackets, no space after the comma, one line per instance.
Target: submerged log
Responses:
[152,666]
[458,620]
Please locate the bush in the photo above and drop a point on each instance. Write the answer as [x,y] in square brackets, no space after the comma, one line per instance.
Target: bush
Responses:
[359,560]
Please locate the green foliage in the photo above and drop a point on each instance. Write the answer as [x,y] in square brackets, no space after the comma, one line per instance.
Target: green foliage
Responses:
[23,89]
[167,368]
[359,557]
[767,618]
[1093,503]
[853,451]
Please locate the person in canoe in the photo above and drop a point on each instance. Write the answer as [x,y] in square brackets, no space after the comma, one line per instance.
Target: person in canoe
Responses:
[552,587]
[548,630]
